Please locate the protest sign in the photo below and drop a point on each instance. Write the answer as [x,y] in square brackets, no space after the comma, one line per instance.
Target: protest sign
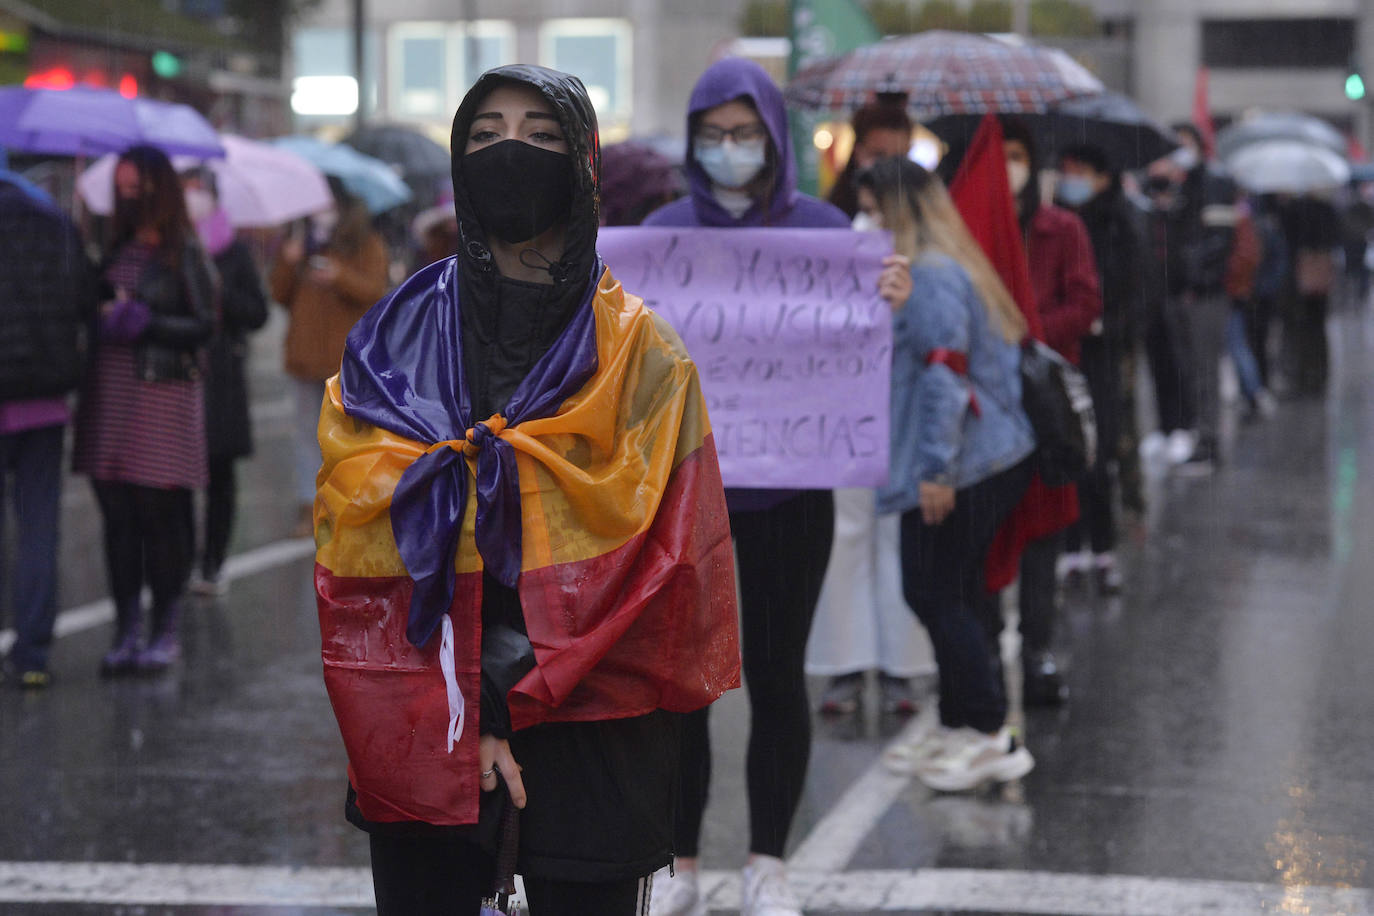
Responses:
[792,343]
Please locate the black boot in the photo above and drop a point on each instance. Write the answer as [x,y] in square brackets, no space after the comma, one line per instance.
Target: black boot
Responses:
[1042,683]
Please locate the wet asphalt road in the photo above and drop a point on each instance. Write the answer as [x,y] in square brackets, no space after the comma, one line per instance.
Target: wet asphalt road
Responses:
[1218,728]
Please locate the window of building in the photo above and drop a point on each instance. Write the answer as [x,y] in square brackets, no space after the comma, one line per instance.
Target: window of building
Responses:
[325,84]
[431,64]
[598,52]
[1300,43]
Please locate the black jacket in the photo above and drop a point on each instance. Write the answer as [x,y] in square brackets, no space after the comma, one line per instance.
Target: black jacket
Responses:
[243,309]
[48,296]
[1114,225]
[182,305]
[1201,226]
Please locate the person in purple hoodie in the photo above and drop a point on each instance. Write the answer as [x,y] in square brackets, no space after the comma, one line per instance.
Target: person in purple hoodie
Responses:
[741,173]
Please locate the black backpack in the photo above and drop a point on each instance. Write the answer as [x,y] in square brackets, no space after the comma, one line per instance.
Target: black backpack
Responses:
[1056,398]
[47,299]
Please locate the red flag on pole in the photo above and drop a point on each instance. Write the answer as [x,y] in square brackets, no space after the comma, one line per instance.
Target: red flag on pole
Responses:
[982,195]
[1202,114]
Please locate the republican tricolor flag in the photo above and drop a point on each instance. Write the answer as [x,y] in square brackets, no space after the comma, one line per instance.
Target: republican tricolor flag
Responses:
[596,494]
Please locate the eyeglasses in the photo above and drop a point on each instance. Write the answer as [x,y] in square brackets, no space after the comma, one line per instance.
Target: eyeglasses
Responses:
[744,133]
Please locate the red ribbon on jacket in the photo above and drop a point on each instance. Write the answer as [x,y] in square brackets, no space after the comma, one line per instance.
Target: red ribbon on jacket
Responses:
[955,361]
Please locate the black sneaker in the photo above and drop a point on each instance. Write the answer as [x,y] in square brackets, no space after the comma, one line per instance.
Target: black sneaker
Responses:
[1042,683]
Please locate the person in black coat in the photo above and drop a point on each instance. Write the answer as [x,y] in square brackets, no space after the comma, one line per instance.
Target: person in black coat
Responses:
[1092,188]
[228,427]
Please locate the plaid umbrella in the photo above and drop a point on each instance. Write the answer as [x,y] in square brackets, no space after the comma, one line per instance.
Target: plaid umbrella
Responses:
[944,73]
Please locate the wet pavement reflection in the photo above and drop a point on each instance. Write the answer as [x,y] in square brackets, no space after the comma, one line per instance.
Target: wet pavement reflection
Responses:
[1217,728]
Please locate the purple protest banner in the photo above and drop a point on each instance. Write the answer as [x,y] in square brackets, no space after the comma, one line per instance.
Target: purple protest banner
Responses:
[792,343]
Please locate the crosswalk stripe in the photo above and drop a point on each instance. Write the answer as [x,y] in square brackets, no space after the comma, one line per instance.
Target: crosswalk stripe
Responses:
[943,889]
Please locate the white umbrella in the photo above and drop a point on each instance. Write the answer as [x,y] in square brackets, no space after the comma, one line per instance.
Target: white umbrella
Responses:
[1273,166]
[259,184]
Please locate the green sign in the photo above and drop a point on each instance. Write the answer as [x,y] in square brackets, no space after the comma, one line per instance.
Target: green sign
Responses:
[821,29]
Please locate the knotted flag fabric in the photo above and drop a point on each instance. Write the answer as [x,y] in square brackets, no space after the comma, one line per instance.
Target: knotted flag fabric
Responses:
[595,493]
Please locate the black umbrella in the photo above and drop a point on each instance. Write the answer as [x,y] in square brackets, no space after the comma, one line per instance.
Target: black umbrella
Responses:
[423,163]
[1130,138]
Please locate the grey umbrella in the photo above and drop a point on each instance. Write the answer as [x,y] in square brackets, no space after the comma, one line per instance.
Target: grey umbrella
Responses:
[1280,125]
[1128,136]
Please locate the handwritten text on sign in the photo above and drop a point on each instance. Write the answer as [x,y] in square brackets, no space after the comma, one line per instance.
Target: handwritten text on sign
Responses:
[790,338]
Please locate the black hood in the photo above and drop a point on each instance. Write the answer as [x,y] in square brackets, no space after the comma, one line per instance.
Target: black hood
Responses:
[568,98]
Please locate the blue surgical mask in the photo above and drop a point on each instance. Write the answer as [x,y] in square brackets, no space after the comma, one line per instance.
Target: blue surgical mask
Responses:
[731,164]
[1075,190]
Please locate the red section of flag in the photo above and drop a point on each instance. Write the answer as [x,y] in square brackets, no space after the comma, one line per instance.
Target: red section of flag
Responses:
[1202,113]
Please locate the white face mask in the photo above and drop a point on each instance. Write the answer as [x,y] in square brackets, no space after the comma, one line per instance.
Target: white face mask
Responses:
[864,222]
[1018,173]
[731,164]
[200,204]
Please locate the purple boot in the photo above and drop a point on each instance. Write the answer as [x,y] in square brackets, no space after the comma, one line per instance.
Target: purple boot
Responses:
[123,656]
[164,648]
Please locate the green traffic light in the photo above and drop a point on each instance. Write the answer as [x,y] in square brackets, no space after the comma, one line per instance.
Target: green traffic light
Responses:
[167,65]
[1354,87]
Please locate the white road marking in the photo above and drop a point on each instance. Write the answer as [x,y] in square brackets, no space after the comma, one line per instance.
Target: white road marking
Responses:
[956,890]
[239,566]
[837,836]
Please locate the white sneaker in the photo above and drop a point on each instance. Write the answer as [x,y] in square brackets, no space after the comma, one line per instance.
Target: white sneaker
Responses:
[1153,444]
[676,894]
[1182,442]
[764,890]
[975,760]
[1266,403]
[904,758]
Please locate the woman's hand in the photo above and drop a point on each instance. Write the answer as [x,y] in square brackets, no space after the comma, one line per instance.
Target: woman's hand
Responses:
[494,754]
[894,283]
[937,502]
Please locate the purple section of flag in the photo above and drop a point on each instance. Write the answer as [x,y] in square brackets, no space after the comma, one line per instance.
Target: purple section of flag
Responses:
[792,342]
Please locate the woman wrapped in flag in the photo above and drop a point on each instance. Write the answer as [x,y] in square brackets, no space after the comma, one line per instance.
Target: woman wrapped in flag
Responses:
[524,571]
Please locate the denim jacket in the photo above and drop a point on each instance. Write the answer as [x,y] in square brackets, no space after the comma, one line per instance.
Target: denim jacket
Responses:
[948,427]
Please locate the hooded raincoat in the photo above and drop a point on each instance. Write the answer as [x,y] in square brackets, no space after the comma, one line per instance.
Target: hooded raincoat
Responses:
[520,501]
[782,206]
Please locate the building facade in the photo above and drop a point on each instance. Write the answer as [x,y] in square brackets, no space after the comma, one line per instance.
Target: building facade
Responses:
[639,58]
[1289,54]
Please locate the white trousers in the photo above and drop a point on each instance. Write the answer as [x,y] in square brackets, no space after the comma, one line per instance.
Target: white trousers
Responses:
[862,621]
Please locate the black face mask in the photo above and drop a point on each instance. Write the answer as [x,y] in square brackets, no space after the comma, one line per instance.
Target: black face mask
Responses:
[518,191]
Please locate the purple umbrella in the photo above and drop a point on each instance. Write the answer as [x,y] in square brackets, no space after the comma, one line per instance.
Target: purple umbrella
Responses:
[83,121]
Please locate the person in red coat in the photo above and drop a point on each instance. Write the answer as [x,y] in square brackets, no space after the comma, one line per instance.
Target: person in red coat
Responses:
[1063,274]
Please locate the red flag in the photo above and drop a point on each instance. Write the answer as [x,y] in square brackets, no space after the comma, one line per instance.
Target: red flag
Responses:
[1202,114]
[983,196]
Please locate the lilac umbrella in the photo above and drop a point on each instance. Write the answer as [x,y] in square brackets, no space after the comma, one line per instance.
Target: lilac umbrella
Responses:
[84,121]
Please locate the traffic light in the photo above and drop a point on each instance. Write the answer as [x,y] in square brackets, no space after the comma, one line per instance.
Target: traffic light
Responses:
[1354,87]
[1354,83]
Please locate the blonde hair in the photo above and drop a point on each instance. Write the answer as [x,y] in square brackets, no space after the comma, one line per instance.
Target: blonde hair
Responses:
[919,213]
